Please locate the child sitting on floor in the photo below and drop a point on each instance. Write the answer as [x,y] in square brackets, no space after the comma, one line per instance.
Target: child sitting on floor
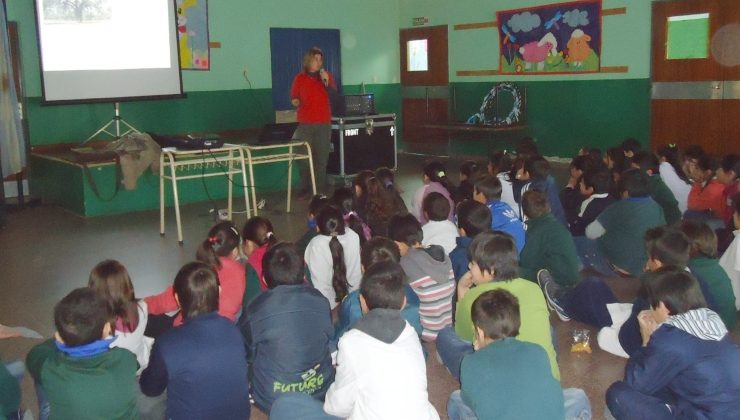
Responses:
[79,376]
[259,236]
[381,372]
[672,174]
[503,218]
[620,228]
[435,180]
[501,361]
[687,366]
[648,163]
[438,230]
[536,174]
[344,199]
[429,273]
[500,165]
[316,203]
[472,218]
[495,265]
[464,190]
[707,201]
[298,359]
[730,260]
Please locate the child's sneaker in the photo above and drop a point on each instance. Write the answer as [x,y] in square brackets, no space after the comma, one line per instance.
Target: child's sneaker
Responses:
[550,288]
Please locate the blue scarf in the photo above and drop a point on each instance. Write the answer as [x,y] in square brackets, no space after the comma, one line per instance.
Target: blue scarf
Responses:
[88,350]
[312,224]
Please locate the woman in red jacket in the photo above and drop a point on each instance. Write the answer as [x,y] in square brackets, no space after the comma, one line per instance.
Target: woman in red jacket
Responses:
[310,94]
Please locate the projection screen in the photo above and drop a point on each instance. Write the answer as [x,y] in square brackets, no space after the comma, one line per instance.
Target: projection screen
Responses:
[108,50]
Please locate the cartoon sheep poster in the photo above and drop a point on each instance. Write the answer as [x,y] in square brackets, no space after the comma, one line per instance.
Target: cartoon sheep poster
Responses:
[556,38]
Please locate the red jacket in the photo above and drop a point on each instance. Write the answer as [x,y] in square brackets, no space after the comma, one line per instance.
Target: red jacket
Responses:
[314,107]
[231,275]
[708,197]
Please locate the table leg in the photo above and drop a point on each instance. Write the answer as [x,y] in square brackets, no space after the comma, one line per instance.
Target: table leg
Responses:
[161,194]
[290,175]
[173,171]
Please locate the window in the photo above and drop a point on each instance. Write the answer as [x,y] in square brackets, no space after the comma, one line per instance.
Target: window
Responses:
[418,58]
[688,37]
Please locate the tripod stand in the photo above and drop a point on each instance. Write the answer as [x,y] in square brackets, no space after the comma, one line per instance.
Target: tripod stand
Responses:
[117,121]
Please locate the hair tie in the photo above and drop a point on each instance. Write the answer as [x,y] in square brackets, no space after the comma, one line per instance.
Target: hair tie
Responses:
[333,234]
[388,183]
[268,235]
[322,197]
[236,232]
[351,213]
[441,174]
[213,240]
[672,145]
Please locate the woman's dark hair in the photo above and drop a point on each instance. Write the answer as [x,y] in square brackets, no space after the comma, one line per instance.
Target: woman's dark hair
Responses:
[473,217]
[678,290]
[631,145]
[81,316]
[360,180]
[382,286]
[526,148]
[469,168]
[196,286]
[496,312]
[259,230]
[344,199]
[730,162]
[331,223]
[495,252]
[671,155]
[436,172]
[405,229]
[282,265]
[221,241]
[635,182]
[111,281]
[616,154]
[379,249]
[668,245]
[379,200]
[317,202]
[387,178]
[702,238]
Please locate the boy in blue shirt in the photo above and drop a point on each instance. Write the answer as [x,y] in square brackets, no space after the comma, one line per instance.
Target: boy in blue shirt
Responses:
[503,217]
[472,218]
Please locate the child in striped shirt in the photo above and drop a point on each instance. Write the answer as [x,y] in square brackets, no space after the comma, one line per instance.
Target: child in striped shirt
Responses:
[429,273]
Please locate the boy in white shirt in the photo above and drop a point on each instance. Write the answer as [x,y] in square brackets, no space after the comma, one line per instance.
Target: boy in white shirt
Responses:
[438,230]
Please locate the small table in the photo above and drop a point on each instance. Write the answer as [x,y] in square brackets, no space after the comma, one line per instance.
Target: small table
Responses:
[274,156]
[229,157]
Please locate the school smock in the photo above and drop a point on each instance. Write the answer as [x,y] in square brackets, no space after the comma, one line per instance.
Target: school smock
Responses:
[520,368]
[626,222]
[420,194]
[678,186]
[535,317]
[320,266]
[730,262]
[692,357]
[101,386]
[287,332]
[505,219]
[203,366]
[314,107]
[135,341]
[442,233]
[381,372]
[550,245]
[231,278]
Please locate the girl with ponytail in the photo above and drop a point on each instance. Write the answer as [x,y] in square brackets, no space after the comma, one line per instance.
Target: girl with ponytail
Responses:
[435,180]
[220,250]
[333,256]
[259,236]
[344,199]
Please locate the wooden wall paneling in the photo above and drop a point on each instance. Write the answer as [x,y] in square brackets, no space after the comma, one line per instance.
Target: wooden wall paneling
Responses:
[686,122]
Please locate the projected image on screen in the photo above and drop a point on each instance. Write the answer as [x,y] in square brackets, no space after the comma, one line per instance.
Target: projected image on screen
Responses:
[94,49]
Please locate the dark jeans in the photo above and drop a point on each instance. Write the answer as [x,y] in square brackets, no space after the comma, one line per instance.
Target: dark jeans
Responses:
[452,349]
[157,325]
[295,405]
[318,136]
[627,403]
[587,302]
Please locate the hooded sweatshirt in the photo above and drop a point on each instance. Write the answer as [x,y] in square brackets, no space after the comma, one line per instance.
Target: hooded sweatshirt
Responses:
[429,272]
[381,373]
[692,357]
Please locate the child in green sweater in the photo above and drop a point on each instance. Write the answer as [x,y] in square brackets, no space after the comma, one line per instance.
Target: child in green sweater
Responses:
[502,362]
[77,374]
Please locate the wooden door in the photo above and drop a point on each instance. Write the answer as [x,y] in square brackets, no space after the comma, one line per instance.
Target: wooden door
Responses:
[695,94]
[424,83]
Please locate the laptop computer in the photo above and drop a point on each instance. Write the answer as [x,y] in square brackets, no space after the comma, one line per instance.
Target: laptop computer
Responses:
[277,133]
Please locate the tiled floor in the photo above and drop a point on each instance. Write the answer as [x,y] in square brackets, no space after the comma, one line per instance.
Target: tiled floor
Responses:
[46,251]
